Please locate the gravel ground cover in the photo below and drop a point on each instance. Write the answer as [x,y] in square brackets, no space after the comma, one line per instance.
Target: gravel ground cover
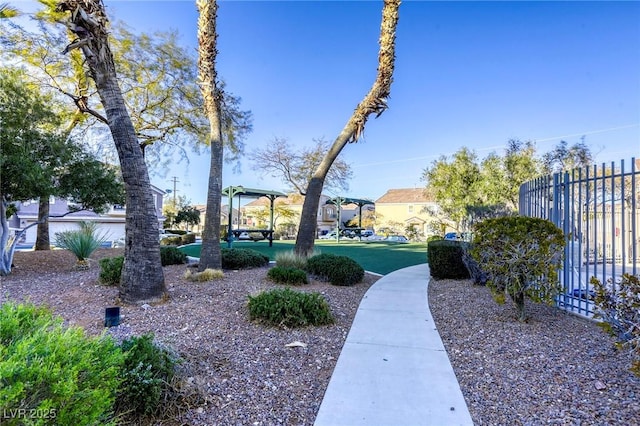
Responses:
[245,371]
[556,369]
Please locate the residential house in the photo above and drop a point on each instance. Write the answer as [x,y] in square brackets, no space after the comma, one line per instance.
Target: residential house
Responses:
[224,217]
[111,223]
[400,209]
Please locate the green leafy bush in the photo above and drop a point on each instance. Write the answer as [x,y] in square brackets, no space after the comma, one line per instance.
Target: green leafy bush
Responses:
[445,259]
[434,238]
[288,308]
[620,311]
[81,242]
[59,372]
[111,270]
[283,275]
[172,256]
[146,375]
[521,256]
[338,270]
[241,258]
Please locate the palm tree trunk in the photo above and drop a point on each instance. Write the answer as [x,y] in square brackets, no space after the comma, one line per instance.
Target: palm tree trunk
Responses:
[210,256]
[374,102]
[142,279]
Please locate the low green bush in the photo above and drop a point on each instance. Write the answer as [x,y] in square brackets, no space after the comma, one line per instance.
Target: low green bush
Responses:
[172,256]
[445,259]
[55,371]
[284,275]
[176,231]
[146,376]
[111,270]
[338,270]
[242,258]
[289,308]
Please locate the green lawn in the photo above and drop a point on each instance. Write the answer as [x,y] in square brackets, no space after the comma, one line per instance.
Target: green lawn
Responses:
[378,257]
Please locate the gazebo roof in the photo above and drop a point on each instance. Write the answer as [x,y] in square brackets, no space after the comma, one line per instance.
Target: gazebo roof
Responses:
[252,192]
[345,200]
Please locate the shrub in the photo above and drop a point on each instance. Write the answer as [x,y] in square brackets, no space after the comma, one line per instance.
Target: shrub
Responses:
[434,238]
[188,239]
[111,270]
[58,372]
[284,275]
[620,312]
[172,256]
[476,273]
[146,375]
[290,259]
[338,270]
[288,308]
[81,242]
[521,256]
[171,241]
[445,259]
[176,231]
[208,274]
[241,258]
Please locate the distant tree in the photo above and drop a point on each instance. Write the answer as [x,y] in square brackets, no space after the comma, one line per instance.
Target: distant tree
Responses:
[467,190]
[455,184]
[367,220]
[168,114]
[375,102]
[281,213]
[171,207]
[295,167]
[565,158]
[189,215]
[520,165]
[37,162]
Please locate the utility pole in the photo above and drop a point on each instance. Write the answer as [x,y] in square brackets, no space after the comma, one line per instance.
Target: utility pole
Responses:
[175,181]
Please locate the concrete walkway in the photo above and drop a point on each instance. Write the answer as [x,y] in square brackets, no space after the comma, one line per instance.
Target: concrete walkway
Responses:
[393,369]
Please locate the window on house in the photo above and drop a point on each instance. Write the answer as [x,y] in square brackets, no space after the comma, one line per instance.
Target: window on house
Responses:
[410,209]
[52,199]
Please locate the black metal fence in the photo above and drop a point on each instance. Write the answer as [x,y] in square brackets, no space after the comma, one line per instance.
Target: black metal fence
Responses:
[598,208]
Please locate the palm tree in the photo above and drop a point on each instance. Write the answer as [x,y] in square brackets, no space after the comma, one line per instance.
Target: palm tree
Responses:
[374,102]
[142,275]
[210,256]
[7,11]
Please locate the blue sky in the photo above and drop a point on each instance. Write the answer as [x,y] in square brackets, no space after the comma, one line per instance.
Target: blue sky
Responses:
[472,74]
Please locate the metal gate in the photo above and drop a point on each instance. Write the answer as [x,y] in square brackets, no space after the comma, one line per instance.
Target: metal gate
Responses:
[598,208]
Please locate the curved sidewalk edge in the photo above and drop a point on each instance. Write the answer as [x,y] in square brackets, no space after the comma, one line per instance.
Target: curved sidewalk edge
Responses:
[393,368]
